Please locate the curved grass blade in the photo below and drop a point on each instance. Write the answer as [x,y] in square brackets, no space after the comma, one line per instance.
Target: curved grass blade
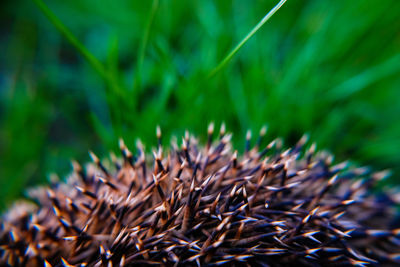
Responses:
[143,45]
[246,38]
[93,61]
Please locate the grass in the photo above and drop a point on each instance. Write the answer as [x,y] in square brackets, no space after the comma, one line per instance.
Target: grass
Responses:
[329,69]
[246,38]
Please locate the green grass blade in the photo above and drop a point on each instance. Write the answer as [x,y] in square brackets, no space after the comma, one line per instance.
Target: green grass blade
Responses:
[143,44]
[93,61]
[246,38]
[366,78]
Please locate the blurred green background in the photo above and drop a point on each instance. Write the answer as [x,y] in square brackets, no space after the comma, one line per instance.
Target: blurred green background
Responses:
[329,68]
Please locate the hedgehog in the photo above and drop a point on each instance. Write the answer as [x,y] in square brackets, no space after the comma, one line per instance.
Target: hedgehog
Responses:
[208,205]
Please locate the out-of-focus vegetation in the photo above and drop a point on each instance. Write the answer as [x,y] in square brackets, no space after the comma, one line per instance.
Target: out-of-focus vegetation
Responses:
[329,68]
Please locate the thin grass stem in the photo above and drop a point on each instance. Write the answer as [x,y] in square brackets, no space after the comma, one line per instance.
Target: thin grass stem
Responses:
[143,45]
[245,39]
[93,61]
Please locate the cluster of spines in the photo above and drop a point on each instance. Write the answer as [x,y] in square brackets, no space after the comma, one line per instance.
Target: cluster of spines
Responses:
[198,205]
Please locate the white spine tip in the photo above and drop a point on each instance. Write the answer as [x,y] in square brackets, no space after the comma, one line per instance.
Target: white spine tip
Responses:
[248,134]
[210,128]
[263,130]
[158,131]
[94,158]
[222,129]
